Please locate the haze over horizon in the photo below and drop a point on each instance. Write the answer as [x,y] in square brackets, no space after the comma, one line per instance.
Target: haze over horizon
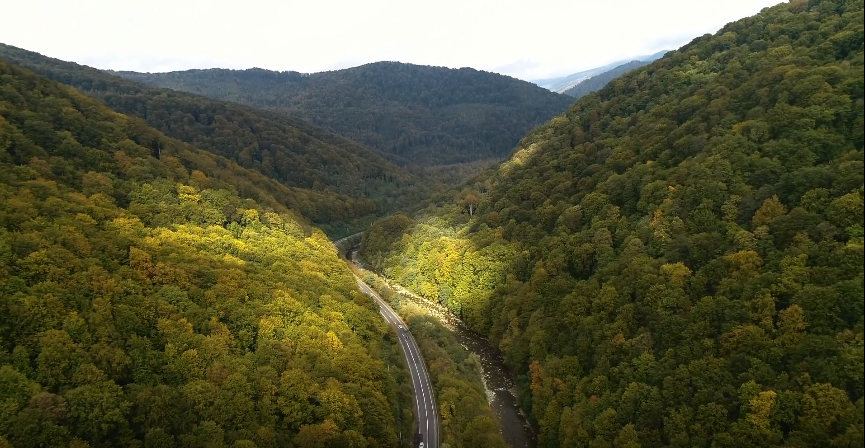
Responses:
[545,40]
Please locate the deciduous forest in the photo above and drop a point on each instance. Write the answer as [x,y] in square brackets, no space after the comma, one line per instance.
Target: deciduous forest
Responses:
[674,261]
[341,185]
[420,116]
[678,259]
[158,295]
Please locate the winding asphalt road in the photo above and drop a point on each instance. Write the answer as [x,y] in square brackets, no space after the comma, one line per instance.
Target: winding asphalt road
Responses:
[340,241]
[425,405]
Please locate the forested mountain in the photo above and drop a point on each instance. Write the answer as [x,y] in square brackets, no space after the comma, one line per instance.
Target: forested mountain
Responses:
[598,82]
[157,296]
[345,184]
[421,115]
[678,260]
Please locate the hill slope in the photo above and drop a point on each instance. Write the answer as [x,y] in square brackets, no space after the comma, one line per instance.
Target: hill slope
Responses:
[678,260]
[346,184]
[421,115]
[170,299]
[598,82]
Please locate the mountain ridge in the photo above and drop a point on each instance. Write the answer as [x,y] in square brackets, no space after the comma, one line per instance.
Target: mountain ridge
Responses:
[347,184]
[562,83]
[597,82]
[420,115]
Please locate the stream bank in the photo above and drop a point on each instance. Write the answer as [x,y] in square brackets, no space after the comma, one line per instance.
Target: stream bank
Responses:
[497,379]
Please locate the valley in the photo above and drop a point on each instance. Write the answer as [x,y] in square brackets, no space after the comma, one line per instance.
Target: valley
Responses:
[404,255]
[418,116]
[335,182]
[497,380]
[629,259]
[426,415]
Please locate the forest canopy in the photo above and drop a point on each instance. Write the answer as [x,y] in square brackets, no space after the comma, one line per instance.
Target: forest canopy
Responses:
[678,259]
[339,184]
[419,115]
[153,294]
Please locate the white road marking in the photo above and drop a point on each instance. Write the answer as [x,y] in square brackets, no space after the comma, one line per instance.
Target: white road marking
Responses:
[419,374]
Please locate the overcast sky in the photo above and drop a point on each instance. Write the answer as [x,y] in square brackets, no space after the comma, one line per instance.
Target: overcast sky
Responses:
[527,39]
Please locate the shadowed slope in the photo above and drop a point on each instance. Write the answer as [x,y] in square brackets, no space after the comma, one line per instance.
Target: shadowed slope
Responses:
[420,115]
[347,183]
[678,259]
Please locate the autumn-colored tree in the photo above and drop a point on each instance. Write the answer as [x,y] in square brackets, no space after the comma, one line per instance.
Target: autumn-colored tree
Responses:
[147,305]
[693,228]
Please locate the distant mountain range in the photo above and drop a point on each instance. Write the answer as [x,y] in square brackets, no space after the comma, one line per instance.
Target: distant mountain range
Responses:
[598,82]
[564,83]
[417,115]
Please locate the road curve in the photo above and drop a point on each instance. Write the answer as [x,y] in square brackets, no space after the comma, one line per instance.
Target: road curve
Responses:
[426,414]
[339,241]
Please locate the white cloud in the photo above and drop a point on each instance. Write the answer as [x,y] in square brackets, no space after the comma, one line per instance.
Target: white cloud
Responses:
[527,39]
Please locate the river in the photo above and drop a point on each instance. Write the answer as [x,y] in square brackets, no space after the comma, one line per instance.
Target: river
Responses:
[497,378]
[500,389]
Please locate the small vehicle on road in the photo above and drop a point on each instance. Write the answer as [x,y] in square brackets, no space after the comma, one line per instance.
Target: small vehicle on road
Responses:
[401,327]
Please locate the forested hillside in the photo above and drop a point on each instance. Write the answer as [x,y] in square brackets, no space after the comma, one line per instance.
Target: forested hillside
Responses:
[421,115]
[346,185]
[598,82]
[158,295]
[678,260]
